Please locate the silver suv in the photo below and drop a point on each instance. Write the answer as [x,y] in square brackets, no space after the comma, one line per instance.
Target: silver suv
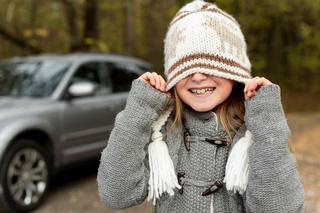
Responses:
[55,111]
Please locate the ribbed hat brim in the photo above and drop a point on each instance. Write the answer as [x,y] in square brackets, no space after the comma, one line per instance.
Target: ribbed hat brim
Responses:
[213,72]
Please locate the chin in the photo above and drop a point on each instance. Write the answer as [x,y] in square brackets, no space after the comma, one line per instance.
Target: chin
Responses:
[202,108]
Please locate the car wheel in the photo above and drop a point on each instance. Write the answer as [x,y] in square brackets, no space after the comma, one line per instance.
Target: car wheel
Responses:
[24,176]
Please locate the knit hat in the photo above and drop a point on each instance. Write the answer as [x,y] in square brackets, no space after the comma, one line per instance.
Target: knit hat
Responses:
[203,38]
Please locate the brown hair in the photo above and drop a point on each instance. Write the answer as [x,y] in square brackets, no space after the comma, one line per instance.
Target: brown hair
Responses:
[230,112]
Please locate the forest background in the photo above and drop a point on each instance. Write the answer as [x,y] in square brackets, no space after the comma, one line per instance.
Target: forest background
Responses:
[283,36]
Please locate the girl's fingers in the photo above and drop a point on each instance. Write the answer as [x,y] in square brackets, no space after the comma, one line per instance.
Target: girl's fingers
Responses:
[155,80]
[160,82]
[249,87]
[246,95]
[154,77]
[148,78]
[253,85]
[249,94]
[152,80]
[144,77]
[265,81]
[163,84]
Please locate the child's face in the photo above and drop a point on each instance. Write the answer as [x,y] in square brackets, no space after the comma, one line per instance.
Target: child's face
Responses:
[203,92]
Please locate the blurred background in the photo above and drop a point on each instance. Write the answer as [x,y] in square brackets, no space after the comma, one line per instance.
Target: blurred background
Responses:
[283,39]
[282,36]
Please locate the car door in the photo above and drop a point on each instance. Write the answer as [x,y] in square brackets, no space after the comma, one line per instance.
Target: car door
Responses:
[88,121]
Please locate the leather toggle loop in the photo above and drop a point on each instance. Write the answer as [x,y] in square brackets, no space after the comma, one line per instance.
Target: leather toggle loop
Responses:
[218,143]
[186,142]
[180,176]
[213,188]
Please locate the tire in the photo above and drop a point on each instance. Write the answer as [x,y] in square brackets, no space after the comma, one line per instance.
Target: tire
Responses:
[25,176]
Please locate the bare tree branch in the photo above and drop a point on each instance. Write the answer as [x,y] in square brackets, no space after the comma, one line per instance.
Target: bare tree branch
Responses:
[19,41]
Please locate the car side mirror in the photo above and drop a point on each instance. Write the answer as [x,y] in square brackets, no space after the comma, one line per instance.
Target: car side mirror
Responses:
[82,89]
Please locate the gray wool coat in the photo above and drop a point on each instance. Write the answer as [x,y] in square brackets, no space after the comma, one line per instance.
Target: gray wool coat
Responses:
[274,184]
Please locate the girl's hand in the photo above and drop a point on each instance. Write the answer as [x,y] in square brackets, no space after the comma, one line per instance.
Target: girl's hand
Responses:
[253,85]
[155,80]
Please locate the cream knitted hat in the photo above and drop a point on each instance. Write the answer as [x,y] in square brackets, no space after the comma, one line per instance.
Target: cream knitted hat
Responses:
[203,38]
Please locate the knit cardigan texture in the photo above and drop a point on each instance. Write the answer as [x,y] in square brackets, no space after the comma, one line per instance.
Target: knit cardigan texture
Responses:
[274,184]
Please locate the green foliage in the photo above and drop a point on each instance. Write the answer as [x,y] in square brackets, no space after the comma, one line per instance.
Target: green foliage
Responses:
[283,39]
[283,36]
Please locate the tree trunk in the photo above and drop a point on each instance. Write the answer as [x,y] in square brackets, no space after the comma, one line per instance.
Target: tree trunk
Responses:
[153,38]
[90,31]
[274,54]
[70,14]
[128,26]
[33,13]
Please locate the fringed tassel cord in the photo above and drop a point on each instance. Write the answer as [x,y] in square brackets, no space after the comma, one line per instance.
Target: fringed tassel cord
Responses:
[237,168]
[162,173]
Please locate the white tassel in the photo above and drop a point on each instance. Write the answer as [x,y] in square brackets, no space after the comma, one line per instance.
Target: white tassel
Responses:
[162,173]
[237,168]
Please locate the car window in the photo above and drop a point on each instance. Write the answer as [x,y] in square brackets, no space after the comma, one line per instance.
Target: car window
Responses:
[94,73]
[31,78]
[122,75]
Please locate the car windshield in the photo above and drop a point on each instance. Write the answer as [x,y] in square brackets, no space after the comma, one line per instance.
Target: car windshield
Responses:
[31,79]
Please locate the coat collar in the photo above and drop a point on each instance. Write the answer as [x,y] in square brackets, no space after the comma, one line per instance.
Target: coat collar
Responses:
[204,124]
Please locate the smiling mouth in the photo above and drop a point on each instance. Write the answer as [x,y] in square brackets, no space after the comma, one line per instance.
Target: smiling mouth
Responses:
[207,90]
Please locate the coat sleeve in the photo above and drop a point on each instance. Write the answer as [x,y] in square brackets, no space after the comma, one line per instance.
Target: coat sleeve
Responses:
[123,172]
[274,183]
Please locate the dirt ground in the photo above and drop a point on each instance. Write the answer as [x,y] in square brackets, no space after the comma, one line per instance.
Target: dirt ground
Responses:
[75,191]
[306,146]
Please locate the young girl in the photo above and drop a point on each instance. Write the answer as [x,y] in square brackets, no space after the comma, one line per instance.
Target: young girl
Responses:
[209,139]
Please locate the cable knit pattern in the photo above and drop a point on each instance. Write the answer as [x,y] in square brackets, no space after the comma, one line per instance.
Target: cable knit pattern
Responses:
[273,185]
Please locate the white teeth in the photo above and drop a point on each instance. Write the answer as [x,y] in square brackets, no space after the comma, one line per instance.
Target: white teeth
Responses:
[202,91]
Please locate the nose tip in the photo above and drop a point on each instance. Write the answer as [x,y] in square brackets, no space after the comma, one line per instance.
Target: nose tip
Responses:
[199,76]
